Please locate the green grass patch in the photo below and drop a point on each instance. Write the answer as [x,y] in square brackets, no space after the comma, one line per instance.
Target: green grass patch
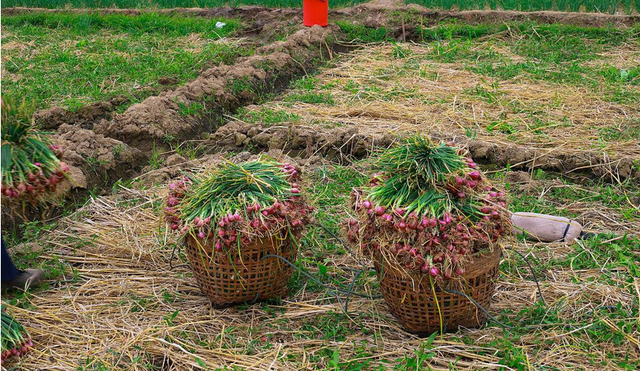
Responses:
[310,98]
[555,53]
[628,130]
[71,60]
[599,6]
[605,252]
[124,4]
[329,189]
[619,197]
[355,32]
[629,75]
[149,23]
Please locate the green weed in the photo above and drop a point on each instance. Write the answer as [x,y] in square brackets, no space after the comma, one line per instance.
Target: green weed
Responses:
[358,33]
[422,355]
[310,98]
[155,161]
[601,6]
[502,127]
[628,130]
[621,75]
[195,108]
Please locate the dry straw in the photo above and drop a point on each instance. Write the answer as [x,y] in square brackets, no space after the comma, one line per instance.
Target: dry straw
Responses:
[380,90]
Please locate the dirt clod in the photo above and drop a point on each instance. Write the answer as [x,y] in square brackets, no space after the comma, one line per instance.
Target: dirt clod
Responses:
[346,144]
[174,159]
[85,117]
[97,155]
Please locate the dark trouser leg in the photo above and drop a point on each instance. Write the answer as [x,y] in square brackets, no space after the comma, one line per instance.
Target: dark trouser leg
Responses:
[9,271]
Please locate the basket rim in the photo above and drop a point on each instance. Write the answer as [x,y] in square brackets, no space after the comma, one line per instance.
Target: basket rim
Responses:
[483,263]
[257,241]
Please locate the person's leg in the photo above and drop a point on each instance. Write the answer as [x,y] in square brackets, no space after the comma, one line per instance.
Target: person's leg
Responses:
[9,271]
[13,278]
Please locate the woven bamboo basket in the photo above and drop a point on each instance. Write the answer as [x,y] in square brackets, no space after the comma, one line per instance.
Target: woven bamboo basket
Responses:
[411,299]
[229,278]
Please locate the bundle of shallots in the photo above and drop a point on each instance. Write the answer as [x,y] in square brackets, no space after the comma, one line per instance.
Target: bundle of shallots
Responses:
[428,209]
[15,339]
[236,204]
[31,166]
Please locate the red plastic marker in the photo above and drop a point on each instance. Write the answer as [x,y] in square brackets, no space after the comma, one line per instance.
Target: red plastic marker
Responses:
[315,12]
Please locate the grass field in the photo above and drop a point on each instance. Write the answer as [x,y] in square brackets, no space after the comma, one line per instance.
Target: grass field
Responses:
[601,6]
[71,60]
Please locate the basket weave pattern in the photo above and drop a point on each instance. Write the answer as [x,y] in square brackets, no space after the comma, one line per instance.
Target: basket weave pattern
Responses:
[411,300]
[246,277]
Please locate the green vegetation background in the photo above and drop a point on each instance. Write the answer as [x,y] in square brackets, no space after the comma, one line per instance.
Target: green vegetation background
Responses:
[604,6]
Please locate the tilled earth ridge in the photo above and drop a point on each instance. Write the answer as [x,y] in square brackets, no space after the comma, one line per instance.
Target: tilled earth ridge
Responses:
[108,150]
[346,144]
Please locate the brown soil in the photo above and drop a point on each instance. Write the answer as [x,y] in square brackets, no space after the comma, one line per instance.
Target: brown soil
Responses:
[102,159]
[247,12]
[85,117]
[392,95]
[417,93]
[345,144]
[370,10]
[109,146]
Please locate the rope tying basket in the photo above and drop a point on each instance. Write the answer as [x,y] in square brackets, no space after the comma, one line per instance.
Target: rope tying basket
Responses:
[228,278]
[412,301]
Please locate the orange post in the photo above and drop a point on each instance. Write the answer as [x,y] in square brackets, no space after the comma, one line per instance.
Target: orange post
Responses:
[315,12]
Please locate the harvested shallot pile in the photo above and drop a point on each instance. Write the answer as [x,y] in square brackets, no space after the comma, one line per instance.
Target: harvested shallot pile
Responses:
[236,204]
[428,209]
[31,166]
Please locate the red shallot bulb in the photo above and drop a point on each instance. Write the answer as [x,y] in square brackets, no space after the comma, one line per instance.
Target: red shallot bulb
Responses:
[434,271]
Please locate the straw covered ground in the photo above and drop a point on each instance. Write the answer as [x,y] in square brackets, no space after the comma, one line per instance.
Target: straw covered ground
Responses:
[115,303]
[544,87]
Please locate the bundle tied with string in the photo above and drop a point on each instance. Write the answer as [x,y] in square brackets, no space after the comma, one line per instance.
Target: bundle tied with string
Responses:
[237,219]
[430,221]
